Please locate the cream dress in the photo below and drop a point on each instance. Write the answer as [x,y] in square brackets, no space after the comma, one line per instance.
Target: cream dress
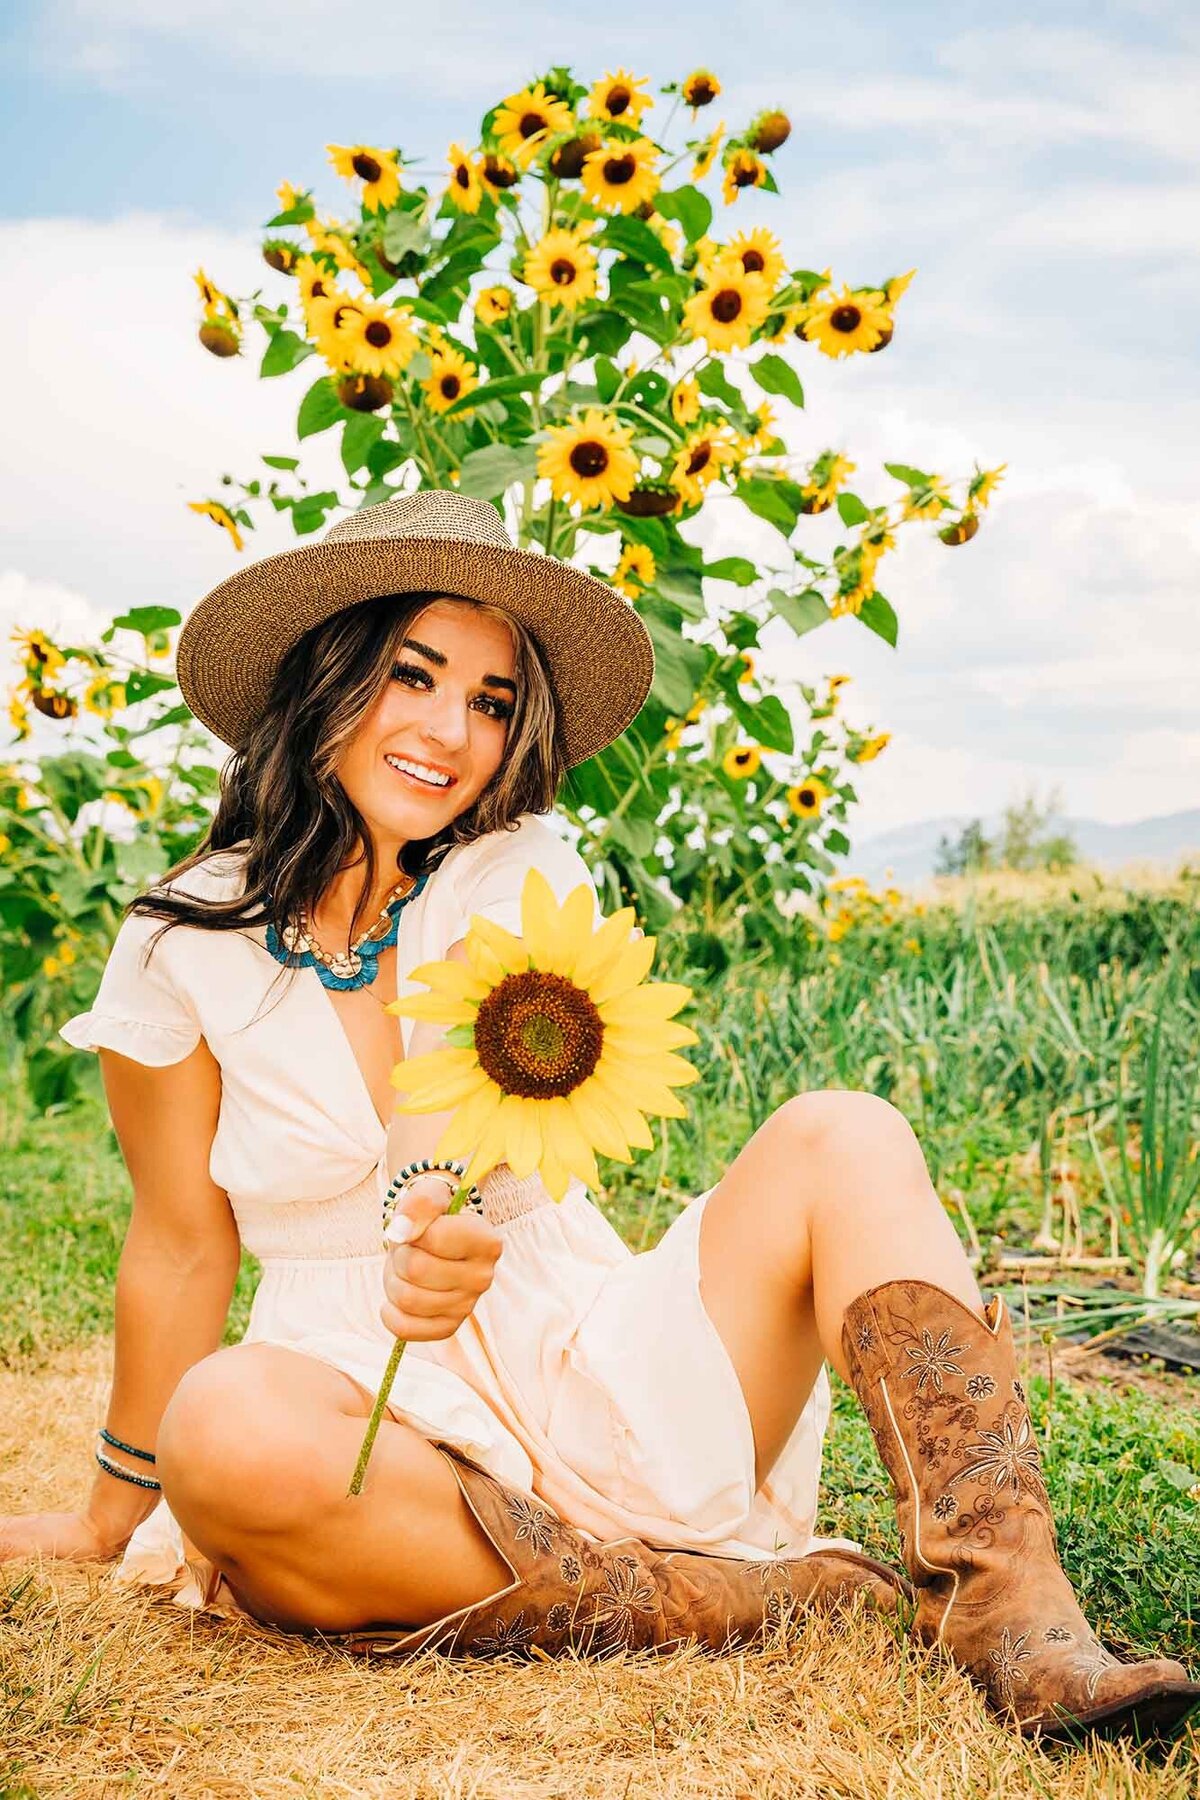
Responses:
[586,1374]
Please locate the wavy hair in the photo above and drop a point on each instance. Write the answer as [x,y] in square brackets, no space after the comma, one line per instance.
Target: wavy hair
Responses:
[280,795]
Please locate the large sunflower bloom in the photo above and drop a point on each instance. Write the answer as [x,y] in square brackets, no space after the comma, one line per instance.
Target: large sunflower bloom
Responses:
[704,454]
[561,269]
[617,97]
[524,121]
[212,509]
[379,338]
[621,176]
[376,169]
[742,170]
[757,252]
[840,324]
[451,377]
[329,322]
[589,462]
[570,1047]
[726,313]
[466,186]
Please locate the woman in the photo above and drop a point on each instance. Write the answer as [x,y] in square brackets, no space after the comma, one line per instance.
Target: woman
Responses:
[584,1447]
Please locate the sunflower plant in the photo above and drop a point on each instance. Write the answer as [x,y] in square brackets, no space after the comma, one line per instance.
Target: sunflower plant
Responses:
[556,1046]
[569,320]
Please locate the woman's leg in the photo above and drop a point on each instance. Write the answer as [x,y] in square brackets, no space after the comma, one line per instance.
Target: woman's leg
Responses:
[255,1453]
[830,1196]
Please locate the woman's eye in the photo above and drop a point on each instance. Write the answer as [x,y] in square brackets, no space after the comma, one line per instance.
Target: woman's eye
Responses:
[413,676]
[404,671]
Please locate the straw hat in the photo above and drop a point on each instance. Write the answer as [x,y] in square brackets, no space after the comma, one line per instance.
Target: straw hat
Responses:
[599,653]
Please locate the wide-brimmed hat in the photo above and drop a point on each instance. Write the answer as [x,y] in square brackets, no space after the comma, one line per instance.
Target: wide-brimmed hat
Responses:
[598,651]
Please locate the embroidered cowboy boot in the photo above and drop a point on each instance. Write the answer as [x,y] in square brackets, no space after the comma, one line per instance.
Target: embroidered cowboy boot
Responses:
[939,1387]
[569,1593]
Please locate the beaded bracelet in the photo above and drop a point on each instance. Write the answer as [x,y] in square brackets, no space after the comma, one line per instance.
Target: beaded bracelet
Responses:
[112,1468]
[142,1455]
[425,1166]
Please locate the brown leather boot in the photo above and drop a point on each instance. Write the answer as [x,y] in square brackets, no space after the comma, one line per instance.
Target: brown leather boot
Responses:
[569,1593]
[939,1386]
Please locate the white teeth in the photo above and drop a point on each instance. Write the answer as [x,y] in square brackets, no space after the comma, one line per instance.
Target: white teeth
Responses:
[421,772]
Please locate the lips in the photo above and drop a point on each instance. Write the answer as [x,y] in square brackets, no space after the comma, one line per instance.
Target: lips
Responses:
[430,787]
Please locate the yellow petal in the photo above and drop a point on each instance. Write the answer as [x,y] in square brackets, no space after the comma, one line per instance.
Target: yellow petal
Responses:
[471,1119]
[565,1139]
[603,947]
[635,1040]
[657,1001]
[434,1006]
[643,1091]
[632,966]
[522,1120]
[625,1111]
[539,921]
[483,960]
[599,1121]
[442,1095]
[556,1175]
[575,927]
[451,978]
[508,950]
[419,1071]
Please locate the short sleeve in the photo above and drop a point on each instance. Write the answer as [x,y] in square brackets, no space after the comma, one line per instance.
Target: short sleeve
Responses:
[492,885]
[139,1009]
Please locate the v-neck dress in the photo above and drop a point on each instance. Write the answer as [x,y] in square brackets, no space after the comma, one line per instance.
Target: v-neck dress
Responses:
[587,1374]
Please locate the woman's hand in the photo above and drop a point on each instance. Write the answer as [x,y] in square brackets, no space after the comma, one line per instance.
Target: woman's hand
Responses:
[432,1285]
[65,1536]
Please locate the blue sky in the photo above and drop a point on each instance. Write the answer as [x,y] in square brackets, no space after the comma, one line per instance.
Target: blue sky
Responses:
[1038,166]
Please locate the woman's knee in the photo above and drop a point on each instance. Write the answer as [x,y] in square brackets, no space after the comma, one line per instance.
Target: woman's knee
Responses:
[229,1444]
[847,1120]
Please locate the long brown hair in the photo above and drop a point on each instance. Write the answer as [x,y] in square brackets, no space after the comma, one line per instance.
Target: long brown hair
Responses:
[281,797]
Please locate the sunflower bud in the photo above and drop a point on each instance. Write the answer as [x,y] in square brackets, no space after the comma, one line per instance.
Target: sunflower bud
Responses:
[885,338]
[500,173]
[52,705]
[279,254]
[219,337]
[812,503]
[701,88]
[650,500]
[961,531]
[567,161]
[768,130]
[365,393]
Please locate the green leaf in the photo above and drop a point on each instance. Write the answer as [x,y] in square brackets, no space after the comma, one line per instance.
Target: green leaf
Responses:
[678,665]
[309,514]
[637,835]
[1178,1475]
[778,502]
[775,375]
[712,381]
[608,378]
[731,568]
[362,433]
[838,842]
[633,237]
[852,510]
[528,382]
[319,409]
[141,683]
[486,473]
[402,232]
[803,612]
[911,477]
[688,207]
[879,616]
[284,351]
[282,462]
[681,586]
[147,619]
[603,333]
[767,720]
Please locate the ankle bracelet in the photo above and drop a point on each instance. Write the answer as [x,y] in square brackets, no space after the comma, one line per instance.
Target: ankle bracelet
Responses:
[112,1468]
[142,1455]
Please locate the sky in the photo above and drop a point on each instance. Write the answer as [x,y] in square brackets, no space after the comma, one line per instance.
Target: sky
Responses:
[1037,166]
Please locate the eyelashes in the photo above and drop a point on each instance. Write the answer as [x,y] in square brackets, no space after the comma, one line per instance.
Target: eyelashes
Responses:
[406,672]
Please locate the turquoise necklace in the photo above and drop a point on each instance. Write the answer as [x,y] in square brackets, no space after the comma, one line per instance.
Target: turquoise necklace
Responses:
[358,966]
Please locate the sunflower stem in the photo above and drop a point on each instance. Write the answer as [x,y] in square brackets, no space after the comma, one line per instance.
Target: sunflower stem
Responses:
[389,1376]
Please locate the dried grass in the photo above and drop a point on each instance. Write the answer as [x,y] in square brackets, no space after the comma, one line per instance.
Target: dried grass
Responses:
[107,1691]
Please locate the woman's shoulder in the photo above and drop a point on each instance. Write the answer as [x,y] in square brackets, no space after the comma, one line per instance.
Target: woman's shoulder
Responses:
[537,840]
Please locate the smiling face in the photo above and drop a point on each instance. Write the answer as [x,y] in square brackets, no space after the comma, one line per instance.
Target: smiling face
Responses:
[438,733]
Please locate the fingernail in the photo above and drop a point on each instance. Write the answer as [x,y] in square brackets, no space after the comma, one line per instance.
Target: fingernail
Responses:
[401,1228]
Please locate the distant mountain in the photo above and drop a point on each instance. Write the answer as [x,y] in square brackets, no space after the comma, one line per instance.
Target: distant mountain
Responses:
[910,851]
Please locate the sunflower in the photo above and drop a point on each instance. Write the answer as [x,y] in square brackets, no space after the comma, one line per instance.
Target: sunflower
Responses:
[742,170]
[589,462]
[212,509]
[747,673]
[685,402]
[621,176]
[561,268]
[451,377]
[376,169]
[701,88]
[694,711]
[524,121]
[617,97]
[53,705]
[668,235]
[635,571]
[498,173]
[40,657]
[826,478]
[569,1047]
[104,696]
[788,320]
[741,761]
[330,238]
[870,747]
[18,714]
[315,283]
[726,313]
[839,324]
[329,326]
[764,425]
[836,682]
[289,197]
[466,186]
[379,338]
[707,152]
[926,499]
[704,455]
[215,302]
[983,485]
[768,130]
[757,252]
[493,305]
[807,797]
[896,286]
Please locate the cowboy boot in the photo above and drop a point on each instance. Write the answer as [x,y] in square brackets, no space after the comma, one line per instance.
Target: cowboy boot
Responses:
[570,1593]
[939,1387]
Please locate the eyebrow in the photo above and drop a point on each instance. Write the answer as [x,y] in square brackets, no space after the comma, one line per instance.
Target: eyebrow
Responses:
[436,657]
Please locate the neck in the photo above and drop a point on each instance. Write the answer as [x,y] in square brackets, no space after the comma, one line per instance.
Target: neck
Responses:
[335,909]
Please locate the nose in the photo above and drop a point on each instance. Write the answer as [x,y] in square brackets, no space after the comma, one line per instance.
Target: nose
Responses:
[445,721]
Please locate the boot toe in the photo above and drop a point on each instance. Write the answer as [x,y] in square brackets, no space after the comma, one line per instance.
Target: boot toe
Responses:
[1142,1701]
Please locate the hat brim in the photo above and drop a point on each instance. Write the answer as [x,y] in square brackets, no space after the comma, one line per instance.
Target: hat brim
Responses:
[599,653]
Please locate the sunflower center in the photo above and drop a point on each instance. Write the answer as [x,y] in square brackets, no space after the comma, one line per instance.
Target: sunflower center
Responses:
[726,306]
[531,124]
[845,318]
[700,93]
[562,271]
[462,175]
[367,167]
[806,796]
[538,1035]
[317,288]
[620,169]
[618,100]
[450,385]
[588,459]
[753,261]
[699,458]
[743,756]
[378,334]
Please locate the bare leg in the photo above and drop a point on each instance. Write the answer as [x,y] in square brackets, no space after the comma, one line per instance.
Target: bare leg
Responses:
[255,1453]
[830,1197]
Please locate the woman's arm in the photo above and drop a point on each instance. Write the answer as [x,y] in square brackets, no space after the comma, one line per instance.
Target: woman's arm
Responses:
[177,1270]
